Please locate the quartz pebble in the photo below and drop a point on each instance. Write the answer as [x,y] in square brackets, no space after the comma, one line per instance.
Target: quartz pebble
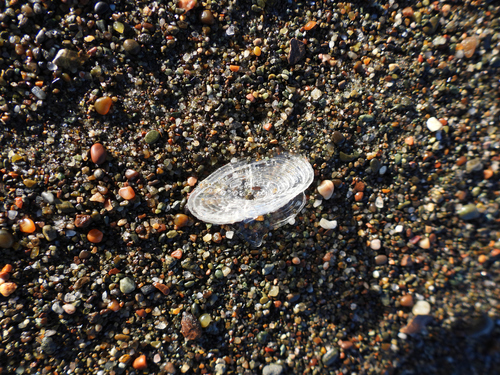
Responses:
[205,320]
[127,285]
[127,193]
[27,225]
[6,289]
[327,224]
[326,188]
[421,308]
[190,326]
[433,124]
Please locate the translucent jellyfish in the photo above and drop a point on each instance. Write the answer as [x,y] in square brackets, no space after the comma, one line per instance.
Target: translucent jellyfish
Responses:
[260,195]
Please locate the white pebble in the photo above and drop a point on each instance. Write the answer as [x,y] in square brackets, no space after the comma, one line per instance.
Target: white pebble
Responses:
[317,203]
[375,244]
[433,124]
[69,308]
[229,234]
[326,189]
[326,224]
[422,308]
[316,94]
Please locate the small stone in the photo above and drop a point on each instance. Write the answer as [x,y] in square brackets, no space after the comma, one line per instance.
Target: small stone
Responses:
[421,308]
[407,300]
[330,357]
[207,18]
[151,137]
[127,193]
[49,233]
[127,285]
[469,212]
[327,224]
[272,369]
[469,44]
[27,225]
[190,326]
[181,220]
[6,239]
[6,289]
[48,197]
[338,137]
[316,94]
[205,320]
[192,181]
[69,308]
[131,46]
[380,259]
[95,236]
[140,363]
[474,165]
[433,124]
[48,345]
[297,51]
[267,269]
[82,221]
[102,105]
[101,7]
[424,243]
[326,189]
[375,244]
[366,118]
[67,59]
[98,153]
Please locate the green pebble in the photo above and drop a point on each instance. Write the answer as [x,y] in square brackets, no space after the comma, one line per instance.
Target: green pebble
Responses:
[151,137]
[469,212]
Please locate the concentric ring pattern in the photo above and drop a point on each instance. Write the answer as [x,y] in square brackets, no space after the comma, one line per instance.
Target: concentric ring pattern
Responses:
[245,190]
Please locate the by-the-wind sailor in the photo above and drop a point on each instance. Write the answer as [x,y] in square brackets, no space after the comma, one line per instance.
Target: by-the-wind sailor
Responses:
[261,195]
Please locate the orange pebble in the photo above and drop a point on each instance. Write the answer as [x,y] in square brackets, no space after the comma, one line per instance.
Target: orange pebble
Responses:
[310,25]
[6,289]
[177,254]
[95,236]
[4,276]
[140,363]
[257,51]
[114,305]
[162,288]
[27,225]
[187,4]
[234,68]
[19,202]
[358,196]
[488,173]
[7,268]
[142,313]
[482,258]
[127,193]
[103,104]
[268,126]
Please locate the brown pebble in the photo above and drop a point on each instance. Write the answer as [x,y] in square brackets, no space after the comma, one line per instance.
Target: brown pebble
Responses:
[345,344]
[190,326]
[130,174]
[207,18]
[98,153]
[82,221]
[407,300]
[406,261]
[103,105]
[380,259]
[297,51]
[180,220]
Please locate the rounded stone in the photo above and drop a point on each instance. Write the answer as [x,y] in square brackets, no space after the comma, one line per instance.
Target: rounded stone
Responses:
[131,46]
[103,104]
[469,212]
[380,259]
[101,7]
[330,357]
[421,308]
[127,285]
[151,137]
[326,189]
[407,300]
[338,137]
[6,239]
[98,153]
[272,369]
[207,18]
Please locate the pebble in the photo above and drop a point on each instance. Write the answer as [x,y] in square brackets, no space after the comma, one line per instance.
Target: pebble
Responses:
[103,105]
[407,300]
[140,363]
[205,320]
[69,308]
[127,285]
[433,124]
[127,193]
[181,220]
[95,235]
[207,18]
[330,357]
[6,289]
[327,224]
[297,51]
[272,369]
[67,59]
[151,137]
[98,153]
[326,189]
[469,44]
[380,259]
[416,325]
[6,239]
[421,308]
[48,197]
[190,326]
[469,212]
[375,244]
[131,46]
[26,225]
[49,233]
